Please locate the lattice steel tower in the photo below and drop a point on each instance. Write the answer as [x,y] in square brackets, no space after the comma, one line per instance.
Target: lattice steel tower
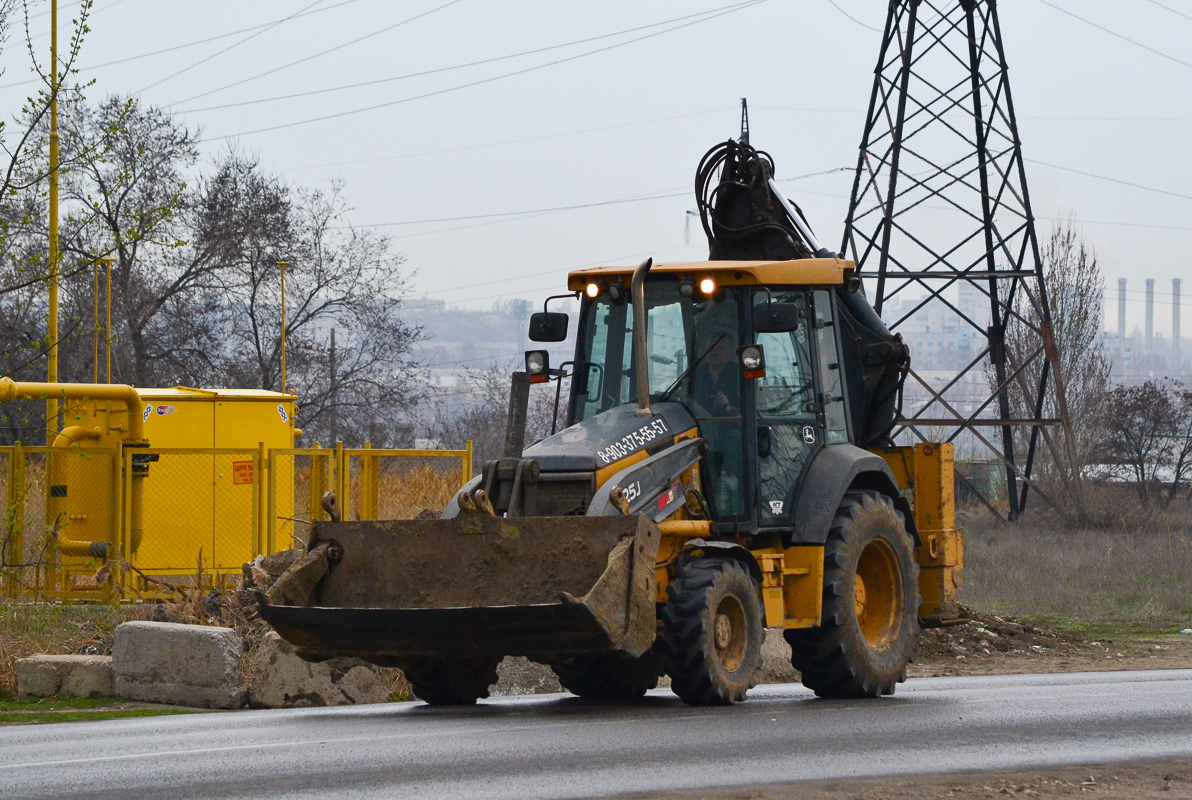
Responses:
[941,228]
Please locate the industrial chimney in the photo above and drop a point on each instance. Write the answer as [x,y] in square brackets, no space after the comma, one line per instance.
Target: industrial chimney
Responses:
[1150,313]
[1121,312]
[1175,320]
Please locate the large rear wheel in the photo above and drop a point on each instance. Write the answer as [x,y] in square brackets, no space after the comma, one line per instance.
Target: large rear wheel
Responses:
[456,681]
[609,676]
[870,606]
[712,634]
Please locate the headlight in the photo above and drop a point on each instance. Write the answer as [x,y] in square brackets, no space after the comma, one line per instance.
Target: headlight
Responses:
[537,361]
[707,285]
[592,289]
[753,361]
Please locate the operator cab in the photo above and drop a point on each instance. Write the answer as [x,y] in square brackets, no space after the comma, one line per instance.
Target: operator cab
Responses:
[749,349]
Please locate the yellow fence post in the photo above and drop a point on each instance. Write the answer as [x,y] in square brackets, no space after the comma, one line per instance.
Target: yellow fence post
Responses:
[126,510]
[112,534]
[259,468]
[343,485]
[317,484]
[50,547]
[369,487]
[16,507]
[467,466]
[271,505]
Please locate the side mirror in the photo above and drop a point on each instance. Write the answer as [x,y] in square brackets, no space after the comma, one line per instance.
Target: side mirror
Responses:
[548,326]
[775,317]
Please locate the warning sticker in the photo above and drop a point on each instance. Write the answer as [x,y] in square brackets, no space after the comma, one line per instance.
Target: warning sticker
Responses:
[241,472]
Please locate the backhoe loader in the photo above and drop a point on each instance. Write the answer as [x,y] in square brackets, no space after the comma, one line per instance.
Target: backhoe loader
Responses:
[726,467]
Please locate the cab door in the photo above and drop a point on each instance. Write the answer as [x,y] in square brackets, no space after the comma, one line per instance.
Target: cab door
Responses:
[789,425]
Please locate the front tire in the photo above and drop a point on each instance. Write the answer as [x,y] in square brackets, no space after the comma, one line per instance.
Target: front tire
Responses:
[609,676]
[456,681]
[712,635]
[870,604]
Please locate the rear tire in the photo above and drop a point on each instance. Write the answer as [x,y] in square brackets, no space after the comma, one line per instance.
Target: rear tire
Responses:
[608,676]
[458,681]
[712,636]
[870,605]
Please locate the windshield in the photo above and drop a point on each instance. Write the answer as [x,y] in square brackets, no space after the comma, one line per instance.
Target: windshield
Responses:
[684,336]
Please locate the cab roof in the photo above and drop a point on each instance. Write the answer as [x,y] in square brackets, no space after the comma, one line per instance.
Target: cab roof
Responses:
[800,272]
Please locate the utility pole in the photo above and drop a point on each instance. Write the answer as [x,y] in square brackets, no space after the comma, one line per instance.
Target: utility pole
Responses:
[334,394]
[52,322]
[107,260]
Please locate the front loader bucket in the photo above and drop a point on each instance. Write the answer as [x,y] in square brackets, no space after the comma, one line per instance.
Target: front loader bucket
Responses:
[545,587]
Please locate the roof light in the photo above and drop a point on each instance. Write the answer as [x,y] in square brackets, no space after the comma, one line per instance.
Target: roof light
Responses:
[707,285]
[592,289]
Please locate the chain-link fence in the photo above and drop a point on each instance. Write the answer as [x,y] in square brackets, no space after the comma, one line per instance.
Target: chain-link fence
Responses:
[90,524]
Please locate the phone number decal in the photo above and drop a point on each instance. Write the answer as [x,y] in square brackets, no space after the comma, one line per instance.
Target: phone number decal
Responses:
[631,443]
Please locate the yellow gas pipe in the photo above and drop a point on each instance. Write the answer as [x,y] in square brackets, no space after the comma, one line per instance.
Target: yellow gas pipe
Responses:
[134,437]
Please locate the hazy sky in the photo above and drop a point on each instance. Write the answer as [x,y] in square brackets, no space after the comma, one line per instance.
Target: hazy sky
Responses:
[615,118]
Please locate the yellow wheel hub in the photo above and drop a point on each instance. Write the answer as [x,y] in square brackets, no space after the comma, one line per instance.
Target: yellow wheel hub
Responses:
[729,633]
[878,594]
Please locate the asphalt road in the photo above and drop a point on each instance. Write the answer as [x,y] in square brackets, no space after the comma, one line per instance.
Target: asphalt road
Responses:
[560,746]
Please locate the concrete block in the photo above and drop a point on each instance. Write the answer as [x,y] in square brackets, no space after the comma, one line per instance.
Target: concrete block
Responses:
[281,679]
[522,676]
[65,676]
[776,660]
[517,675]
[36,677]
[186,665]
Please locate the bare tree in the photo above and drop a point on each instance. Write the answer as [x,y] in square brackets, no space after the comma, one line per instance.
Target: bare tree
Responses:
[1148,438]
[336,277]
[478,410]
[1075,288]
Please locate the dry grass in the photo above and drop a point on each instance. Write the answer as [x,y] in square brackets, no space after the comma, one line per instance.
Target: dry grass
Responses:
[406,494]
[1083,579]
[28,629]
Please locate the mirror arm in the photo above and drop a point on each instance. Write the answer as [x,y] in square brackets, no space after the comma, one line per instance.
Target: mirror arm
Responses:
[573,295]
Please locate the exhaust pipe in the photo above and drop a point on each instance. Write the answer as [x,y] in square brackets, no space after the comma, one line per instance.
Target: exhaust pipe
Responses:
[640,356]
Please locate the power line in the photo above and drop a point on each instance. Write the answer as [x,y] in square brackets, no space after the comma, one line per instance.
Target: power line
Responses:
[1169,8]
[502,214]
[232,46]
[186,45]
[322,53]
[709,16]
[453,67]
[1115,34]
[508,142]
[1065,118]
[854,19]
[1111,180]
[552,271]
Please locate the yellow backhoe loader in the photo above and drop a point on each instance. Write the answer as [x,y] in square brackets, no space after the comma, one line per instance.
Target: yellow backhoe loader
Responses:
[726,467]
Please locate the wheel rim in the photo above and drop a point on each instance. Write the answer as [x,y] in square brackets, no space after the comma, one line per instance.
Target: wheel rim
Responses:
[878,594]
[728,633]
